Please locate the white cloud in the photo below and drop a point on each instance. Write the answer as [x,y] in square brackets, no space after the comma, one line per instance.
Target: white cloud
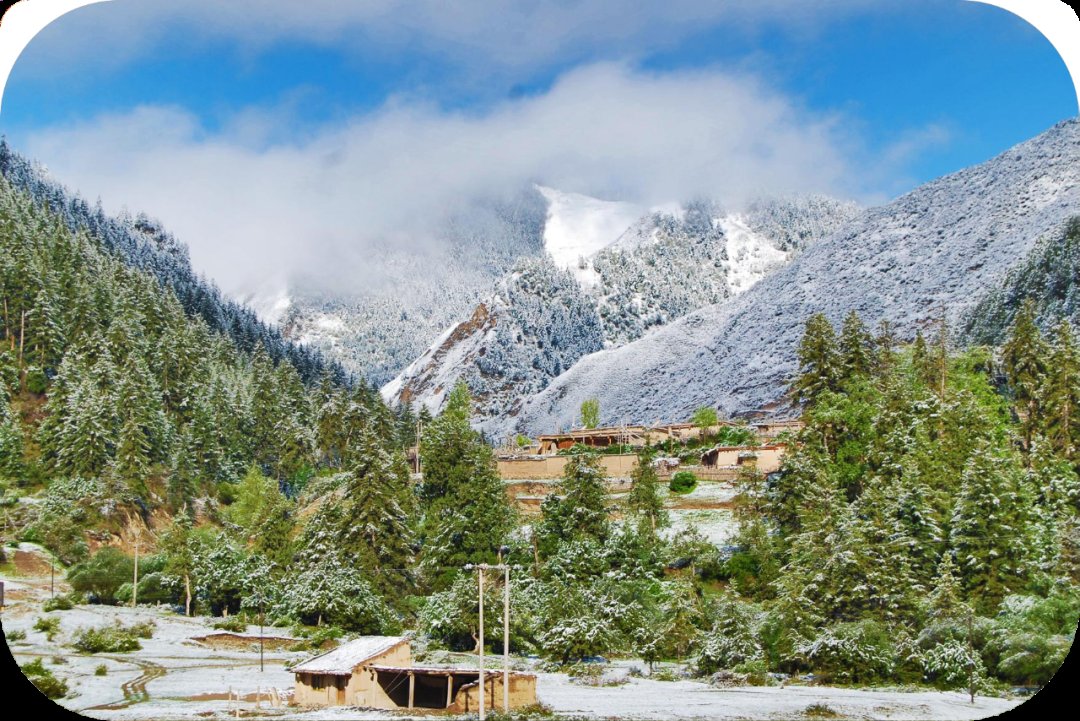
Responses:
[493,37]
[251,206]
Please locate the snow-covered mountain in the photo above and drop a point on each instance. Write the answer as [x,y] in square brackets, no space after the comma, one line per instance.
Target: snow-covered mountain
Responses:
[612,272]
[942,245]
[407,294]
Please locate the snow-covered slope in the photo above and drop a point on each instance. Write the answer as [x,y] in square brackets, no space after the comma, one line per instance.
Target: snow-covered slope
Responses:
[941,245]
[546,315]
[405,294]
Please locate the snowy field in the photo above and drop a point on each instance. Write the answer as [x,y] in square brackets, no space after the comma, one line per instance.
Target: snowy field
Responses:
[175,677]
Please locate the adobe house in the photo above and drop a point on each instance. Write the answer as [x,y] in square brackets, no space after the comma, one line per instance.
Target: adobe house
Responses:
[377,672]
[593,438]
[766,459]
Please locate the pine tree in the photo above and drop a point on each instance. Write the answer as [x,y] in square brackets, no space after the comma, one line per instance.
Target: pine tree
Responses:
[856,347]
[143,426]
[578,508]
[819,360]
[1024,357]
[644,500]
[945,601]
[884,360]
[376,514]
[988,530]
[1061,393]
[921,361]
[466,514]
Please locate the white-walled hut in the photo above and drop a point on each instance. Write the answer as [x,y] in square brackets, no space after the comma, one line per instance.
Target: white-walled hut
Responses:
[377,672]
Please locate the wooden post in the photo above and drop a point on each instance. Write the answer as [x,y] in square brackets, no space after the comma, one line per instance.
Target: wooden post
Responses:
[135,582]
[412,688]
[481,684]
[449,690]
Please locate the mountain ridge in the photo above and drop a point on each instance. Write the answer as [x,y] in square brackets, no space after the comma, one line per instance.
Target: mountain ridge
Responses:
[893,262]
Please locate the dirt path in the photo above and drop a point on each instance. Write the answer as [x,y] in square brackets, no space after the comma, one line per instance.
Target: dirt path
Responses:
[135,689]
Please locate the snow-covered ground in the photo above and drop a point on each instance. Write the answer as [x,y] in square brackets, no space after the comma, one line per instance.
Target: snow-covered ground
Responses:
[175,677]
[641,698]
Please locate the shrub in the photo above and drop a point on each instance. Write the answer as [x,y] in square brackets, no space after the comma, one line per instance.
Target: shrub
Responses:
[682,482]
[109,639]
[15,635]
[851,652]
[102,575]
[44,680]
[756,672]
[60,602]
[51,686]
[49,626]
[101,670]
[947,665]
[233,623]
[36,380]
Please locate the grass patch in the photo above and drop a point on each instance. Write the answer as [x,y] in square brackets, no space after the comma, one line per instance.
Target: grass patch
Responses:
[820,710]
[232,623]
[15,635]
[101,670]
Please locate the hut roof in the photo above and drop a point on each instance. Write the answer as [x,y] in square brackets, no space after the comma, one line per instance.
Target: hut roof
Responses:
[342,660]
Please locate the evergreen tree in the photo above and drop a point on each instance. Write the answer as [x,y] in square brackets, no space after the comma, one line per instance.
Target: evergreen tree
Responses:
[856,347]
[377,521]
[1024,357]
[1061,393]
[884,360]
[988,529]
[466,514]
[644,500]
[179,547]
[819,360]
[578,508]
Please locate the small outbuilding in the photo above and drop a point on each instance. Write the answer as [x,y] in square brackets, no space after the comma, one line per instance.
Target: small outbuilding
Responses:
[377,672]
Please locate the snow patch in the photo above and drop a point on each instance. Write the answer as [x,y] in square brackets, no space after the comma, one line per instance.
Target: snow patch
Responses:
[579,226]
[750,256]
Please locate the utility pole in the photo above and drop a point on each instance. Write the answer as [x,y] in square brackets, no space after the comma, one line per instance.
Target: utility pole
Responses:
[505,568]
[481,568]
[506,639]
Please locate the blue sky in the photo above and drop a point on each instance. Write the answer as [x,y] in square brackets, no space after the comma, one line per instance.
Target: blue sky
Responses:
[861,98]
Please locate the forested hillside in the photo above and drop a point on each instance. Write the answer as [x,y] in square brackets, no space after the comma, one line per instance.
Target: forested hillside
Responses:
[112,391]
[142,244]
[1049,277]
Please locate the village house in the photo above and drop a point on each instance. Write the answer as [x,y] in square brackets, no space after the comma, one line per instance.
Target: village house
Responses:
[638,436]
[377,672]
